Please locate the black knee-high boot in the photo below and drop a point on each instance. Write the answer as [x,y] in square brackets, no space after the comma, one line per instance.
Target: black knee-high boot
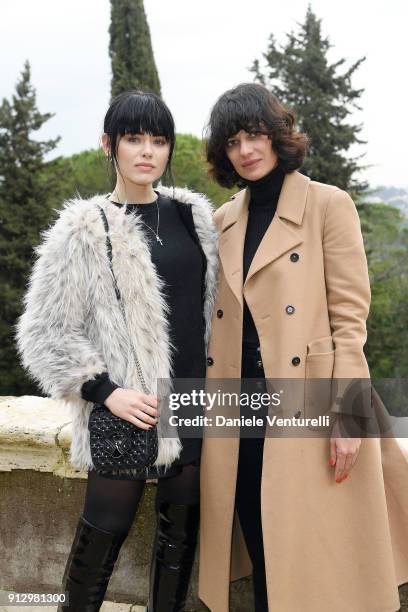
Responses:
[89,567]
[173,556]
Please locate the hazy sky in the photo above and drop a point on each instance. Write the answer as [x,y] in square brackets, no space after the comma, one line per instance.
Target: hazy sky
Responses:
[202,48]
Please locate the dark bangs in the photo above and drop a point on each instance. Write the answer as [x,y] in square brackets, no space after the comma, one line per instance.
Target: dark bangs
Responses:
[233,113]
[137,112]
[253,108]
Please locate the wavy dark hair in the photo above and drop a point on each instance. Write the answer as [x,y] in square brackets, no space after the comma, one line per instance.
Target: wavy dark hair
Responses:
[253,108]
[137,111]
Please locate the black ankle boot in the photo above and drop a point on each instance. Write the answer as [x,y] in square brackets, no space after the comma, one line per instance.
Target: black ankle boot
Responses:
[173,557]
[89,567]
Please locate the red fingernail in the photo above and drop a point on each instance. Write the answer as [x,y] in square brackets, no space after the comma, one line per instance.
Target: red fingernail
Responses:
[338,480]
[331,461]
[344,477]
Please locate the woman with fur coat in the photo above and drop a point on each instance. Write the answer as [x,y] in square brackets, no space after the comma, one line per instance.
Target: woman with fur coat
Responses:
[75,343]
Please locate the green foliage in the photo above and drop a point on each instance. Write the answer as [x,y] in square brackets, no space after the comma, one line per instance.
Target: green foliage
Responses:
[84,174]
[130,49]
[26,193]
[386,243]
[302,78]
[189,169]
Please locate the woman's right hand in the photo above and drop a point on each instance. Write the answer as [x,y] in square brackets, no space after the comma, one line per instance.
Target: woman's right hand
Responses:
[137,408]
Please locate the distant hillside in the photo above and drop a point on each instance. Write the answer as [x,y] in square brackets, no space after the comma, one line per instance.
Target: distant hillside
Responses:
[395,196]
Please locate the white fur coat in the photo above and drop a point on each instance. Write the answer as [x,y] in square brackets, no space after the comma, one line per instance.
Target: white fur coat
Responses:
[72,328]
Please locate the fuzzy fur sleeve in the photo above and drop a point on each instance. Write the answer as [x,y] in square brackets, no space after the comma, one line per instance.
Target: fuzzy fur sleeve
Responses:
[50,335]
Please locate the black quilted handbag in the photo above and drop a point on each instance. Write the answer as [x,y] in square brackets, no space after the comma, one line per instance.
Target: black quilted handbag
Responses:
[117,444]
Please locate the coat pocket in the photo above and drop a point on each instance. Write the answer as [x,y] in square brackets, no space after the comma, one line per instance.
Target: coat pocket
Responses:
[320,358]
[318,379]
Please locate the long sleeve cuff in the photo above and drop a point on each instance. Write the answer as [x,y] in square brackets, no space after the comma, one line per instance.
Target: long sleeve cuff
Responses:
[98,389]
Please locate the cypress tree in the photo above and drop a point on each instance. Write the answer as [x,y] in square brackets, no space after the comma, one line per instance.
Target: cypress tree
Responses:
[323,98]
[130,49]
[26,194]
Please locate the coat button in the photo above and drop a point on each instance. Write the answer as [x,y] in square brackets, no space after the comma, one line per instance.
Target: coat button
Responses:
[290,309]
[296,361]
[210,361]
[220,313]
[298,414]
[294,257]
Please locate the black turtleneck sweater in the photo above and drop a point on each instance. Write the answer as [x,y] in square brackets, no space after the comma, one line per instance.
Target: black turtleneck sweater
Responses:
[264,196]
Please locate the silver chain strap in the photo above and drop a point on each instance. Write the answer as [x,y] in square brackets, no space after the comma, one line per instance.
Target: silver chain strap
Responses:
[120,301]
[135,358]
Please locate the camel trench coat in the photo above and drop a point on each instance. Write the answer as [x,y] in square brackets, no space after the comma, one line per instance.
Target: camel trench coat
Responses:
[328,547]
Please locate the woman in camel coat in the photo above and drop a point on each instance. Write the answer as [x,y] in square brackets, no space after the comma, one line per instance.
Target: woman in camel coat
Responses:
[330,543]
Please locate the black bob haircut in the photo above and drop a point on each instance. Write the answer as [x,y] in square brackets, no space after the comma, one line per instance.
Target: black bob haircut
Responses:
[138,112]
[253,108]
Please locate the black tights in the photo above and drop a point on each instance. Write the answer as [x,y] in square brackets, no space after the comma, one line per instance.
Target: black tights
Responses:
[112,504]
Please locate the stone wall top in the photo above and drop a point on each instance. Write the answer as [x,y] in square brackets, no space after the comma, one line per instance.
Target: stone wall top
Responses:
[35,434]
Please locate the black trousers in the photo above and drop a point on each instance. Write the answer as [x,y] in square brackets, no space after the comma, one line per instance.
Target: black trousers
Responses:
[248,488]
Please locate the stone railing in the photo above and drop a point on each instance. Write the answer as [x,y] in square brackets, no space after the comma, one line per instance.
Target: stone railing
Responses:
[35,434]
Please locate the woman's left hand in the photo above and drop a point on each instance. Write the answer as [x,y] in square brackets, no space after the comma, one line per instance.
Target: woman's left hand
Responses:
[343,453]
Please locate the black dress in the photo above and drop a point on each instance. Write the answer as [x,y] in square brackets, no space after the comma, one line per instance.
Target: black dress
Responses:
[181,264]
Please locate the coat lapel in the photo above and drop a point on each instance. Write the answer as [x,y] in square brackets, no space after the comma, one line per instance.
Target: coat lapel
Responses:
[231,243]
[280,237]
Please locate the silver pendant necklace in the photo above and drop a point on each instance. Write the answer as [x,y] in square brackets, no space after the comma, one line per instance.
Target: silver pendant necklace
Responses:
[156,233]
